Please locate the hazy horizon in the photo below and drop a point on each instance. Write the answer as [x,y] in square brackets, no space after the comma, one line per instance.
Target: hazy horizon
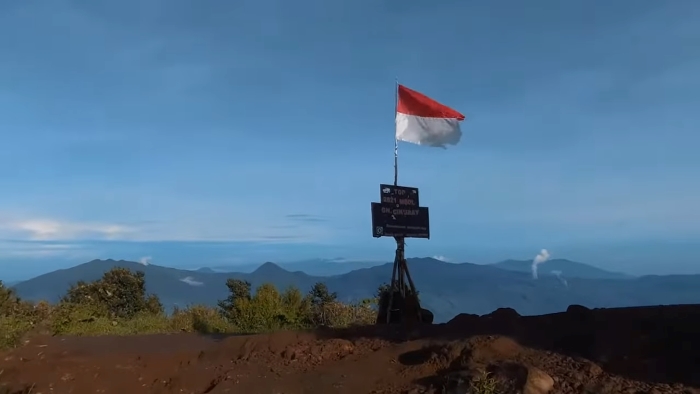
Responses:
[260,131]
[194,256]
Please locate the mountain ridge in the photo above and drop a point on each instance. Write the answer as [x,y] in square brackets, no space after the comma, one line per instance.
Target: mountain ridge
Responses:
[446,288]
[559,267]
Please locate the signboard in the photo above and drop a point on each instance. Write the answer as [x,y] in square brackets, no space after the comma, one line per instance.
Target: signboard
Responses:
[400,222]
[400,218]
[401,196]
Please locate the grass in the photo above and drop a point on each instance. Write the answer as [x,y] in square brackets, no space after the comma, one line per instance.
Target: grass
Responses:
[118,304]
[13,329]
[82,320]
[484,383]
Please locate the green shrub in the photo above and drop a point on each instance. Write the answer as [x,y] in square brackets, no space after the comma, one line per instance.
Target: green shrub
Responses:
[201,319]
[119,294]
[117,304]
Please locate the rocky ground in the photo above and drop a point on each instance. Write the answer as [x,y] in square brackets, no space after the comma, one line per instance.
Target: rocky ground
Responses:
[632,350]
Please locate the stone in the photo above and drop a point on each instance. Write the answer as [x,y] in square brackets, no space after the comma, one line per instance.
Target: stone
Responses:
[538,382]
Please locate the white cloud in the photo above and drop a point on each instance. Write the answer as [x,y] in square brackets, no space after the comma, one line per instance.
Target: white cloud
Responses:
[49,229]
[38,249]
[442,258]
[191,281]
[55,230]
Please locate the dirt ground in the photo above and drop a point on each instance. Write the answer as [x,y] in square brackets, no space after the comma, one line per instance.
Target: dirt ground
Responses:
[632,350]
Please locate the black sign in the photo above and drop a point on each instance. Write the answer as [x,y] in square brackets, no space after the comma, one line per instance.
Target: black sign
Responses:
[400,222]
[399,196]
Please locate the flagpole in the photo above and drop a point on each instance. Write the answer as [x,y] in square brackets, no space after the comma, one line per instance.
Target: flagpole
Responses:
[396,141]
[400,242]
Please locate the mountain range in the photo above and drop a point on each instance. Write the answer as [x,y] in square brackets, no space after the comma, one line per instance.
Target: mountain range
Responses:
[313,267]
[561,267]
[446,288]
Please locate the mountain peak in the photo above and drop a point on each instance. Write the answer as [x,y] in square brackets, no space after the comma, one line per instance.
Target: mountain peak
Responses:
[109,261]
[269,268]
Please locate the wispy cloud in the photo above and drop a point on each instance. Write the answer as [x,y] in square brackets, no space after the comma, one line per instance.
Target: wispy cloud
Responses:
[306,217]
[52,230]
[191,281]
[49,229]
[40,249]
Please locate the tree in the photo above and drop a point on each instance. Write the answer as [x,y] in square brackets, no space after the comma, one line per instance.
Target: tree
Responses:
[119,293]
[382,291]
[9,302]
[239,292]
[323,305]
[265,310]
[320,295]
[296,308]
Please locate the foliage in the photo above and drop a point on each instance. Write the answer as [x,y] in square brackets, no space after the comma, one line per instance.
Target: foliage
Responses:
[239,293]
[484,383]
[382,291]
[119,294]
[118,304]
[10,304]
[16,317]
[201,319]
[320,295]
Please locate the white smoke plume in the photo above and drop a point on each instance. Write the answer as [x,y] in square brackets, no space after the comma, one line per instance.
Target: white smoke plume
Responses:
[539,259]
[146,260]
[442,258]
[191,281]
[561,278]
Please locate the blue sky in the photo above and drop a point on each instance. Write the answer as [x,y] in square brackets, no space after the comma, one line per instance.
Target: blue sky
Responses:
[201,132]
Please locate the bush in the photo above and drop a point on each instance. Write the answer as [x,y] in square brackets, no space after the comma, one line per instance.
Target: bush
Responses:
[338,314]
[117,304]
[17,317]
[11,305]
[13,329]
[201,319]
[266,310]
[119,294]
[239,293]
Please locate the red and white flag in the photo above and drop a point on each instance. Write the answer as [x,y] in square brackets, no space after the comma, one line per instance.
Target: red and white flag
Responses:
[423,121]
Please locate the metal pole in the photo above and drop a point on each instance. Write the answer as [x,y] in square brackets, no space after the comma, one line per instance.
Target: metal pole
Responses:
[392,287]
[396,141]
[399,240]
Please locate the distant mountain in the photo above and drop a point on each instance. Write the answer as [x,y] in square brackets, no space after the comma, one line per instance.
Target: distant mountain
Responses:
[173,286]
[447,289]
[563,267]
[313,267]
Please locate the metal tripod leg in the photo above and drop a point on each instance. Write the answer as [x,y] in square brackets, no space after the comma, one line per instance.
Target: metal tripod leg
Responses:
[414,294]
[397,270]
[392,286]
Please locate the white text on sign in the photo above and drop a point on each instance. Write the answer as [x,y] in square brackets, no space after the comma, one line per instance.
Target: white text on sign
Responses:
[400,201]
[400,212]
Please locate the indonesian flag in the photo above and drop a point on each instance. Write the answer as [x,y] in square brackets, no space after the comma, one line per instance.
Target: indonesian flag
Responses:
[423,121]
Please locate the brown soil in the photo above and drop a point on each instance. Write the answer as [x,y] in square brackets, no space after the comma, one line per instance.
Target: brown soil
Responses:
[633,350]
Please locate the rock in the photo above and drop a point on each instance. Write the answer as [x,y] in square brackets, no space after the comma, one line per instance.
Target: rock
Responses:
[458,382]
[579,307]
[463,319]
[578,310]
[507,377]
[504,314]
[538,382]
